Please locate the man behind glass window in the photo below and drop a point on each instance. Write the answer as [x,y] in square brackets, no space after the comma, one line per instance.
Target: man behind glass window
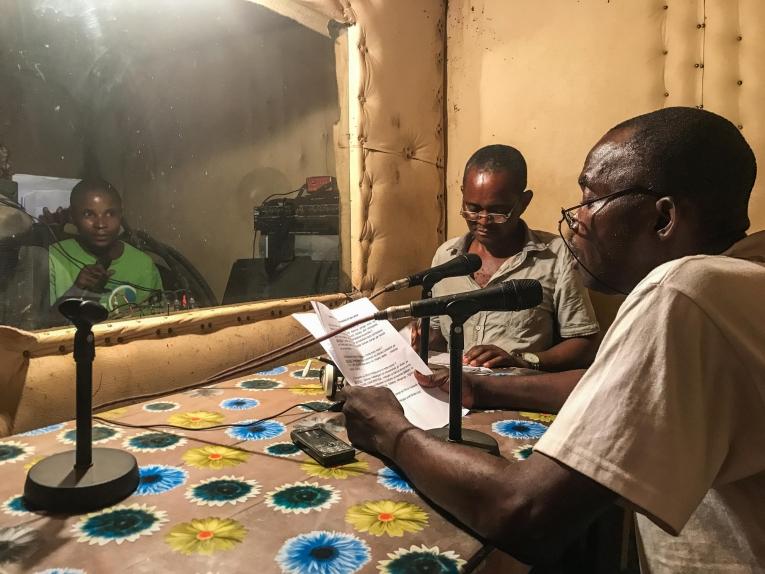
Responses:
[560,334]
[96,262]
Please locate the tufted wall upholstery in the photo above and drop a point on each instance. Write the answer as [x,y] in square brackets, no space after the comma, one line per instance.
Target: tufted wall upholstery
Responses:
[396,94]
[551,77]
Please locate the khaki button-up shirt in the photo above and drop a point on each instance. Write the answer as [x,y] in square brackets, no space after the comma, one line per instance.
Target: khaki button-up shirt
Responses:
[565,312]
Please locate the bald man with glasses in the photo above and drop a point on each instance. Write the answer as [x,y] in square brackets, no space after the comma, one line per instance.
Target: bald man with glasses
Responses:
[558,335]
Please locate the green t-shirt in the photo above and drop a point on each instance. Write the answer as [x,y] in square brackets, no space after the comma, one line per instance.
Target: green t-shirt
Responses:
[133,268]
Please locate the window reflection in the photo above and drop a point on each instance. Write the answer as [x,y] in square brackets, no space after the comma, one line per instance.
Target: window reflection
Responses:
[203,132]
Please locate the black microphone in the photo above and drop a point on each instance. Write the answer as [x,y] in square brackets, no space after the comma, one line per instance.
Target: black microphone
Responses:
[460,265]
[512,295]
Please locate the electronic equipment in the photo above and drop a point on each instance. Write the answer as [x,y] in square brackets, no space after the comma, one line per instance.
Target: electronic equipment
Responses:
[324,447]
[299,246]
[315,210]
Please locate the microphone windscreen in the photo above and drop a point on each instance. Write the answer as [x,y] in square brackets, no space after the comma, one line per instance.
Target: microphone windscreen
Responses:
[522,294]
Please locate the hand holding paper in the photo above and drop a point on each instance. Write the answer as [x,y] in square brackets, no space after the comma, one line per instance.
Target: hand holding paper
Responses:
[374,354]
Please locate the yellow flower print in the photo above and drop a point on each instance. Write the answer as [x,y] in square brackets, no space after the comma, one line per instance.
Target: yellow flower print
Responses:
[313,468]
[205,535]
[541,417]
[308,389]
[196,419]
[113,414]
[214,456]
[389,517]
[33,461]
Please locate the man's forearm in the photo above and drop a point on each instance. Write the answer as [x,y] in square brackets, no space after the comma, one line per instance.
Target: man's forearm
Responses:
[507,504]
[574,353]
[544,392]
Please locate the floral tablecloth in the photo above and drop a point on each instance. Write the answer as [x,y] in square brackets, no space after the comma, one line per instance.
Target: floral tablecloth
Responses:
[241,499]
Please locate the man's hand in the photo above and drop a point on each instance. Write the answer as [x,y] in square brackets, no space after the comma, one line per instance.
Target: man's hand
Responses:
[491,356]
[415,333]
[373,418]
[440,379]
[93,278]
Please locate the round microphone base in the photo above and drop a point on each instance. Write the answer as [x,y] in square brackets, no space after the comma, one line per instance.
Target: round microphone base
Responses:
[55,486]
[470,437]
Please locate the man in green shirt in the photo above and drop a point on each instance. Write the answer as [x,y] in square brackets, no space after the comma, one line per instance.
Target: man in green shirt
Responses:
[96,265]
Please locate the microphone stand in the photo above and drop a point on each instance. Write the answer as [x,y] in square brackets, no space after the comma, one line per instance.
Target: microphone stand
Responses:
[427,293]
[84,479]
[460,311]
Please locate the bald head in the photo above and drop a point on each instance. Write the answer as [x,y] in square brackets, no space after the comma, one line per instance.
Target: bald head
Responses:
[695,155]
[99,186]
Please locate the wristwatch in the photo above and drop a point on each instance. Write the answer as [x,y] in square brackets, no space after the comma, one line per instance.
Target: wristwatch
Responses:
[531,359]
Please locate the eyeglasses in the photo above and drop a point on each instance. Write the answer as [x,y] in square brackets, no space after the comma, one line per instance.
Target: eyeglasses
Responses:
[571,220]
[498,218]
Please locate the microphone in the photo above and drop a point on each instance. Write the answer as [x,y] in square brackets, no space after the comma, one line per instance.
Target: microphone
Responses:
[460,265]
[512,295]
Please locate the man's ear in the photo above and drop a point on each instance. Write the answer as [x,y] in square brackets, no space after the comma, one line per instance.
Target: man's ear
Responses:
[526,199]
[666,218]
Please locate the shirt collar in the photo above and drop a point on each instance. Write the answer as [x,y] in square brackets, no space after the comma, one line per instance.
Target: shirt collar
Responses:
[751,247]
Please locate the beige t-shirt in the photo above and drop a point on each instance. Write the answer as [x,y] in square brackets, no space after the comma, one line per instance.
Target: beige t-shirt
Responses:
[566,310]
[671,415]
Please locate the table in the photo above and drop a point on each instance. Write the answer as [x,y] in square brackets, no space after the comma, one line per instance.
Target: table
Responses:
[241,499]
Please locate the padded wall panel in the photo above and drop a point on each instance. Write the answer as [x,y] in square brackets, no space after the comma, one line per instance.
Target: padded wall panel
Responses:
[551,77]
[397,165]
[734,82]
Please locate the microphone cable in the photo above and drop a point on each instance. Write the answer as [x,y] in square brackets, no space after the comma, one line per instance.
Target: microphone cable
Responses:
[332,407]
[240,369]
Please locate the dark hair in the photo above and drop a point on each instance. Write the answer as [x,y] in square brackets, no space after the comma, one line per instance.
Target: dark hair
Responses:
[698,155]
[498,157]
[89,185]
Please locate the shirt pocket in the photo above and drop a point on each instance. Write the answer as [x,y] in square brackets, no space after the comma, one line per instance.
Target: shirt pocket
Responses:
[530,329]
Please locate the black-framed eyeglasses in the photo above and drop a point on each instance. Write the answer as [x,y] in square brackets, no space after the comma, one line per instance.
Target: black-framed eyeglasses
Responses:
[498,218]
[568,213]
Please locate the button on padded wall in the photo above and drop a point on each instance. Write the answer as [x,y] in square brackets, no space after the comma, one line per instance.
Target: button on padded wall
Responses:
[551,77]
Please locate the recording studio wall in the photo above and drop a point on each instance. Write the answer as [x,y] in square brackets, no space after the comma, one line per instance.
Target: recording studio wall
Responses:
[551,77]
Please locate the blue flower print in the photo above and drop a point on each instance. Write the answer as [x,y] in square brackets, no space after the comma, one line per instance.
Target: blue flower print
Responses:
[323,552]
[523,452]
[519,429]
[15,506]
[43,430]
[283,449]
[122,523]
[101,433]
[311,374]
[154,442]
[218,491]
[273,372]
[161,407]
[239,404]
[257,430]
[259,384]
[302,497]
[391,479]
[421,559]
[12,451]
[158,478]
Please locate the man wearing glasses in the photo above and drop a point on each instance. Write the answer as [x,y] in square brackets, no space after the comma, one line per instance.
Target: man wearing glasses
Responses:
[558,335]
[670,417]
